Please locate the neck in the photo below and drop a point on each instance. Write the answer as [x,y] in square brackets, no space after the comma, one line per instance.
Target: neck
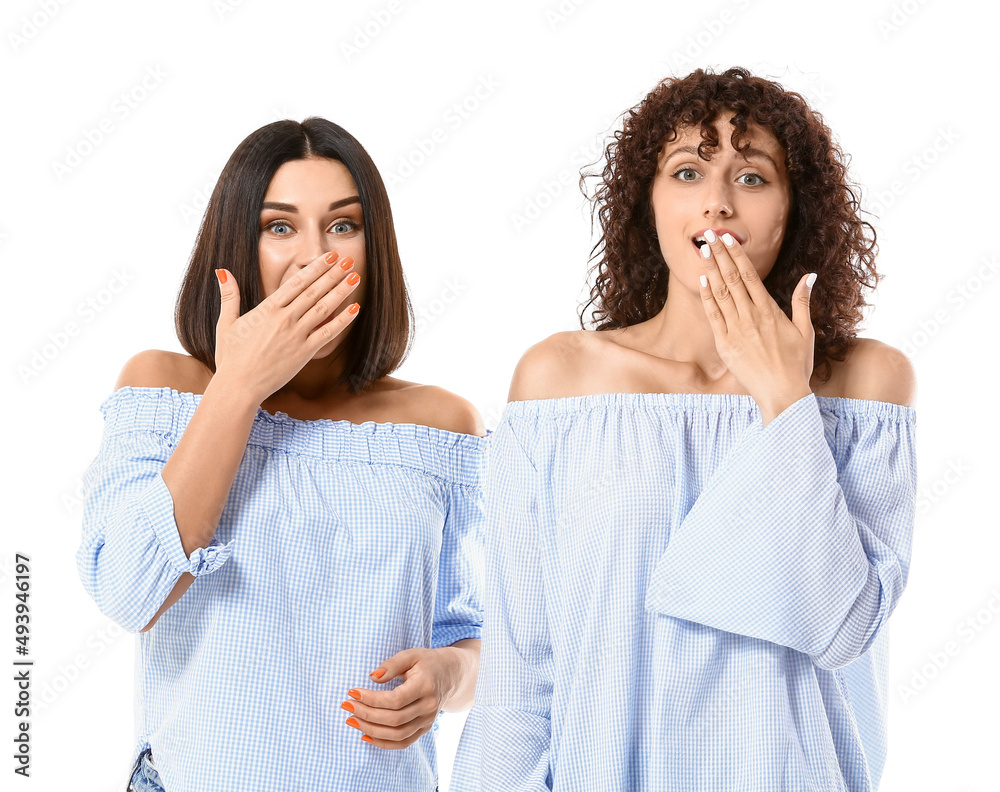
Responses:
[315,381]
[681,332]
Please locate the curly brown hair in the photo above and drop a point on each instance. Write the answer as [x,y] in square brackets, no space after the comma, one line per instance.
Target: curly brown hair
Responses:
[825,235]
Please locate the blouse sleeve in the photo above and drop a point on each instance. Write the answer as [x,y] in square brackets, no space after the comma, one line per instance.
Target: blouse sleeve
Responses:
[458,609]
[785,545]
[505,744]
[131,553]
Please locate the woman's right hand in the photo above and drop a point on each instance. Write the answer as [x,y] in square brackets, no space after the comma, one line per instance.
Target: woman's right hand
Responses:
[269,344]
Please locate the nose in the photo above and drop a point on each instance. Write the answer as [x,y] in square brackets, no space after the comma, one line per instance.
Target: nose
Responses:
[718,199]
[312,245]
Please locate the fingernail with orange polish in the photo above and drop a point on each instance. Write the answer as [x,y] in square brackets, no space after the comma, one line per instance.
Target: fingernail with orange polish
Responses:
[347,263]
[378,673]
[354,694]
[347,706]
[353,723]
[366,738]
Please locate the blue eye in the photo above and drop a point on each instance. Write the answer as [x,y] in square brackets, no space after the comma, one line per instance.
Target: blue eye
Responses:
[678,175]
[276,224]
[349,225]
[759,179]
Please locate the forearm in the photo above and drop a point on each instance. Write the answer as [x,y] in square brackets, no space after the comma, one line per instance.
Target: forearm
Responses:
[466,655]
[201,470]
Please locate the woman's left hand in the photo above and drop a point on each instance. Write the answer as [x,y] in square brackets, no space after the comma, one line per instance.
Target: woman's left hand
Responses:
[397,718]
[770,355]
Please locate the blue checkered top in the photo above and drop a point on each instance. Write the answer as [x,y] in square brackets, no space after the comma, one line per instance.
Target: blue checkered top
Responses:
[340,545]
[679,599]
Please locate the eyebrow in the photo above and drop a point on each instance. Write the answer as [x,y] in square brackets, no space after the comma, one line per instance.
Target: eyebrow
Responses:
[283,207]
[750,153]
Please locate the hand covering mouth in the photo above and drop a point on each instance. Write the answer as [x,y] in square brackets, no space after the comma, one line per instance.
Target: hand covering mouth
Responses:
[699,240]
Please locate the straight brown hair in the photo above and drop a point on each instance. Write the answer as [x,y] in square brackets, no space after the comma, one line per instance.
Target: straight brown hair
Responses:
[380,338]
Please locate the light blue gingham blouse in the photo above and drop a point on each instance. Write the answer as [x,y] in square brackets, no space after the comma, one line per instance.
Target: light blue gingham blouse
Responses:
[340,544]
[681,600]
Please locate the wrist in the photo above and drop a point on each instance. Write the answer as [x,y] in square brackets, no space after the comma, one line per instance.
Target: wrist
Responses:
[454,664]
[234,392]
[463,666]
[777,403]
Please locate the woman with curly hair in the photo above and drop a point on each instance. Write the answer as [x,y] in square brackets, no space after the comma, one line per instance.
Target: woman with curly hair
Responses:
[699,513]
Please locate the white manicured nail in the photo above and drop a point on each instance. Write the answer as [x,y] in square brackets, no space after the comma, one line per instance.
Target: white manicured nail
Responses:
[728,239]
[709,235]
[704,282]
[706,251]
[810,280]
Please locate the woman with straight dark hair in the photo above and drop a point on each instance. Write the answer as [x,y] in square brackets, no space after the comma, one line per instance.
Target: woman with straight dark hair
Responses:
[700,512]
[293,533]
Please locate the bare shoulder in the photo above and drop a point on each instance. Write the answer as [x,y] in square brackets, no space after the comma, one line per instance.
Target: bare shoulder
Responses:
[156,368]
[549,369]
[880,372]
[434,406]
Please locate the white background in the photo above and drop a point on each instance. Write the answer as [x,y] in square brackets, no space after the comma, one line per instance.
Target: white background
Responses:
[908,87]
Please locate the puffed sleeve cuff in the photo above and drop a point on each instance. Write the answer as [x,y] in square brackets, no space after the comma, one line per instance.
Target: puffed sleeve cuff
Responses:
[770,549]
[448,634]
[157,507]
